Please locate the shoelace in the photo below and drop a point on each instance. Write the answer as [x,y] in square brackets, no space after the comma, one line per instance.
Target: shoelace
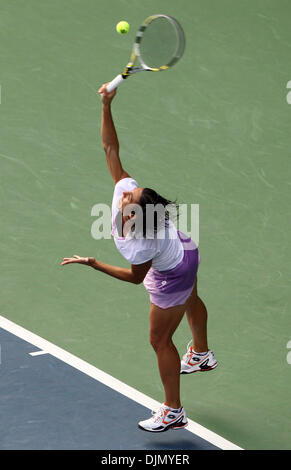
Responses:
[189,353]
[158,414]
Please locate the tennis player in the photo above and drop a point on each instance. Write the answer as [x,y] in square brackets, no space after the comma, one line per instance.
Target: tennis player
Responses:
[168,268]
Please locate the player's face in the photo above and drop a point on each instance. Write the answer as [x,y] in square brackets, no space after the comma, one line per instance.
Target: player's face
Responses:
[130,197]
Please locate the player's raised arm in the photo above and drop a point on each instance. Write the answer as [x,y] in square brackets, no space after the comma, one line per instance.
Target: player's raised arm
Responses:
[109,137]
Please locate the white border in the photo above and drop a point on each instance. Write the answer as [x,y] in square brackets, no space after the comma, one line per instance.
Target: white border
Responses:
[110,381]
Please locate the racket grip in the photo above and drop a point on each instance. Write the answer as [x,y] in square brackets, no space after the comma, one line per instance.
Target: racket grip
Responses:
[115,83]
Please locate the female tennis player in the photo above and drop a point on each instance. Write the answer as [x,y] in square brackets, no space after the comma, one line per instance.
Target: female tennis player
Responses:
[168,268]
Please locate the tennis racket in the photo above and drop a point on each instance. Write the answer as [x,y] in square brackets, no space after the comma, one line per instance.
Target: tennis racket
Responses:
[159,44]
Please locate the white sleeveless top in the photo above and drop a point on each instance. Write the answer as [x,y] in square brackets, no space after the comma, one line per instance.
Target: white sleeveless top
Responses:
[166,253]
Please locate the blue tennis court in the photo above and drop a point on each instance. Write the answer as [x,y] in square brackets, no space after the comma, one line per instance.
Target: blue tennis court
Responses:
[48,404]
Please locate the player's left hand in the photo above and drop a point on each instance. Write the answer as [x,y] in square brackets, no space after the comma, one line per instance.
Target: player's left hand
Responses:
[78,259]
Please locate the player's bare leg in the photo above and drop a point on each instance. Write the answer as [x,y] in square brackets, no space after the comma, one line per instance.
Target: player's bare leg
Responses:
[198,356]
[197,318]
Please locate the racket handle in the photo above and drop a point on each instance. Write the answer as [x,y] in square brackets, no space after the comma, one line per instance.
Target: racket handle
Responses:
[115,83]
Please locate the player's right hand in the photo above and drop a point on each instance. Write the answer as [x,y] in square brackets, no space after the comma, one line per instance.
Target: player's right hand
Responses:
[105,96]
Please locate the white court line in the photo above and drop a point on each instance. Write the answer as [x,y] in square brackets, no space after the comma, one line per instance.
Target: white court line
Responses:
[38,353]
[109,381]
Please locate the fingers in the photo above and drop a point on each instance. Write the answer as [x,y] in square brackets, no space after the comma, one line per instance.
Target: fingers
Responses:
[102,90]
[75,259]
[68,261]
[104,93]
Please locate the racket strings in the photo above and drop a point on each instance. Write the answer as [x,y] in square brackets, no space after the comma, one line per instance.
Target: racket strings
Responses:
[161,43]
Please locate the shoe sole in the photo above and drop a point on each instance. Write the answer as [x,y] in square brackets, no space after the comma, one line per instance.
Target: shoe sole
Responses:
[200,370]
[165,429]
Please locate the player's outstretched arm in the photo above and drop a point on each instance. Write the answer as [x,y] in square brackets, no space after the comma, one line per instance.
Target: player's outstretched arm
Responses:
[109,137]
[135,274]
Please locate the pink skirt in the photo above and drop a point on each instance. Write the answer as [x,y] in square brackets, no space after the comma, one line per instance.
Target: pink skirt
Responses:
[173,287]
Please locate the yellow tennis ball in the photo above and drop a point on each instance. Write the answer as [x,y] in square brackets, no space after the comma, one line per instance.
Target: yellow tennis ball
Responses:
[122,27]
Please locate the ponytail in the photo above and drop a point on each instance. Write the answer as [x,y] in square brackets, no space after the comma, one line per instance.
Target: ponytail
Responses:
[151,197]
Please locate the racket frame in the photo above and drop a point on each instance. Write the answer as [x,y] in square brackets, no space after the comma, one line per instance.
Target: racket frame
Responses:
[135,54]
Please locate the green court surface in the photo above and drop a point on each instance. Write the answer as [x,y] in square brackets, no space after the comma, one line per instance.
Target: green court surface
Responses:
[214,131]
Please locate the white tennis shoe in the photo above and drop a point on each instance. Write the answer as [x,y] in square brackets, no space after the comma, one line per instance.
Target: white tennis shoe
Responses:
[194,362]
[165,418]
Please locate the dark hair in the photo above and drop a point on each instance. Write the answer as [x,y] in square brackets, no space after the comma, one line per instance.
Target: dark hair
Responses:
[150,196]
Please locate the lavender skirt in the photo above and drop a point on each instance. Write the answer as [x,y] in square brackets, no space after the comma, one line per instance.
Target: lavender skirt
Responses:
[173,287]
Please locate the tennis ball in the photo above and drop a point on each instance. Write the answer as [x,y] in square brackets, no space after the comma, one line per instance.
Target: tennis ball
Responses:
[122,27]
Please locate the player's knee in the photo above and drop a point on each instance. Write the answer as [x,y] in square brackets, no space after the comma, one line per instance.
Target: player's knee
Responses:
[158,340]
[154,340]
